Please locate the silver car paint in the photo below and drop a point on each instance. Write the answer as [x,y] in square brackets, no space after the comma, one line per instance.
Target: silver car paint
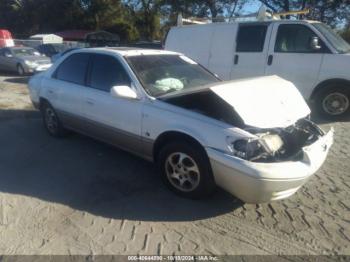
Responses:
[11,63]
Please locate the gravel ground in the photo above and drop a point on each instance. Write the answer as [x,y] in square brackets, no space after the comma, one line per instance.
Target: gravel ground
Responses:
[80,196]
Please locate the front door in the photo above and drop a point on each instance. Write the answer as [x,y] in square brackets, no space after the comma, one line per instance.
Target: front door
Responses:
[7,61]
[112,119]
[292,57]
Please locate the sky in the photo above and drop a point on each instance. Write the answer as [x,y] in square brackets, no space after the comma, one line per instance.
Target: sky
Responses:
[250,7]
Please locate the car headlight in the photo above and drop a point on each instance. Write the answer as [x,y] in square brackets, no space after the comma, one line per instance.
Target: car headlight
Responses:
[30,63]
[252,148]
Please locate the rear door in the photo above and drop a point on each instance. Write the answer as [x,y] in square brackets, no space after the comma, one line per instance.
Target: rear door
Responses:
[65,90]
[292,57]
[250,50]
[193,41]
[222,48]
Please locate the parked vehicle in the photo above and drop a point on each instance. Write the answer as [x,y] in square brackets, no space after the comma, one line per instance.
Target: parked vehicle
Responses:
[55,57]
[51,49]
[308,53]
[199,131]
[23,60]
[6,39]
[146,44]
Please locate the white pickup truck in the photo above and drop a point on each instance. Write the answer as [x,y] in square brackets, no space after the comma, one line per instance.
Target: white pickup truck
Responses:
[307,53]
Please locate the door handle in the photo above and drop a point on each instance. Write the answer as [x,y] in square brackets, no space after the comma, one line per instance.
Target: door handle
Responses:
[236,59]
[270,60]
[90,102]
[51,92]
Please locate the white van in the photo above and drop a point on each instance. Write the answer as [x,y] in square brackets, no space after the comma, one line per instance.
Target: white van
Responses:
[307,53]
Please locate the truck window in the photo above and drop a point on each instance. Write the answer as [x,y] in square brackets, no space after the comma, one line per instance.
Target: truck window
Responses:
[251,38]
[294,39]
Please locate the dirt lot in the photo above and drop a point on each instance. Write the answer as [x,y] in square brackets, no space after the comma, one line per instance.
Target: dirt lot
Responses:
[79,196]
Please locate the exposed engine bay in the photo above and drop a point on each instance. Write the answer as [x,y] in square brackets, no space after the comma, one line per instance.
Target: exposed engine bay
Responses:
[269,145]
[278,144]
[209,104]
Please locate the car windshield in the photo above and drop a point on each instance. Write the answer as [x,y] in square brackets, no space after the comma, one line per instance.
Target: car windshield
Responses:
[58,48]
[25,52]
[162,74]
[336,40]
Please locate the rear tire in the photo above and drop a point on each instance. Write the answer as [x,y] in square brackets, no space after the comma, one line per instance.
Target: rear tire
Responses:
[51,121]
[185,169]
[333,103]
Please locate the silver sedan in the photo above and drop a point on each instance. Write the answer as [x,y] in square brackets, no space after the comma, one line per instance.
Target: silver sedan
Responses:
[23,60]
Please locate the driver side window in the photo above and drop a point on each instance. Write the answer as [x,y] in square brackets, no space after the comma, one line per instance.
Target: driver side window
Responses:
[294,38]
[106,72]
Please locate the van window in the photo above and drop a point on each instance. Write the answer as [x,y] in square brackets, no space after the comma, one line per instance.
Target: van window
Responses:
[107,72]
[294,39]
[251,38]
[73,69]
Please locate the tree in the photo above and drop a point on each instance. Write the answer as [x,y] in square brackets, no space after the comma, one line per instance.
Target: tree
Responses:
[146,16]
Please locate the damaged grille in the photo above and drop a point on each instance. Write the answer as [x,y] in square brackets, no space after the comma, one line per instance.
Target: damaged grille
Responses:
[293,139]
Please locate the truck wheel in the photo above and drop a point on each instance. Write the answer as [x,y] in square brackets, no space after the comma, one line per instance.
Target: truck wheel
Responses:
[51,121]
[20,70]
[333,102]
[186,170]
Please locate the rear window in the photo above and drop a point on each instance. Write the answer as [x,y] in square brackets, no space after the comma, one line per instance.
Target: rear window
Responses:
[251,38]
[73,69]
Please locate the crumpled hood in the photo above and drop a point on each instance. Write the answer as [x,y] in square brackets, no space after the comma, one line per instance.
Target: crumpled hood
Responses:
[264,102]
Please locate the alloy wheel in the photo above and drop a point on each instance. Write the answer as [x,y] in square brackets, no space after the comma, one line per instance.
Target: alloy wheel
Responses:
[182,171]
[20,70]
[335,103]
[51,120]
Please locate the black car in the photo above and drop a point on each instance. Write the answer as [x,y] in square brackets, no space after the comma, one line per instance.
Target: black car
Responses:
[51,49]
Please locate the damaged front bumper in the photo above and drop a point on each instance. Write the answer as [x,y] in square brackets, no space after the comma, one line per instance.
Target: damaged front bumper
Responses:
[255,182]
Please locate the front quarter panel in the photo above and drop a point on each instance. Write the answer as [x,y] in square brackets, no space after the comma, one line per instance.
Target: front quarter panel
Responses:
[160,117]
[335,66]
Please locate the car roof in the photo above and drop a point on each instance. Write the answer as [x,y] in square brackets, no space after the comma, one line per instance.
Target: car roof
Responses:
[129,51]
[247,22]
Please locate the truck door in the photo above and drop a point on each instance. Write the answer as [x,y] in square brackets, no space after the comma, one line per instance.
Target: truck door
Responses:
[250,50]
[292,56]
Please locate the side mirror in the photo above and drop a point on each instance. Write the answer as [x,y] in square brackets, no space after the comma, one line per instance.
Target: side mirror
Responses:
[123,92]
[8,55]
[314,44]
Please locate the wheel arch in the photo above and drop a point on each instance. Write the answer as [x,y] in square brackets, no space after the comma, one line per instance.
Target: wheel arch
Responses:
[169,136]
[42,101]
[328,83]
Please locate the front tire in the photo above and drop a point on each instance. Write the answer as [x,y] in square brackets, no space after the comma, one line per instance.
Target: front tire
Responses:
[20,70]
[333,102]
[186,170]
[51,121]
